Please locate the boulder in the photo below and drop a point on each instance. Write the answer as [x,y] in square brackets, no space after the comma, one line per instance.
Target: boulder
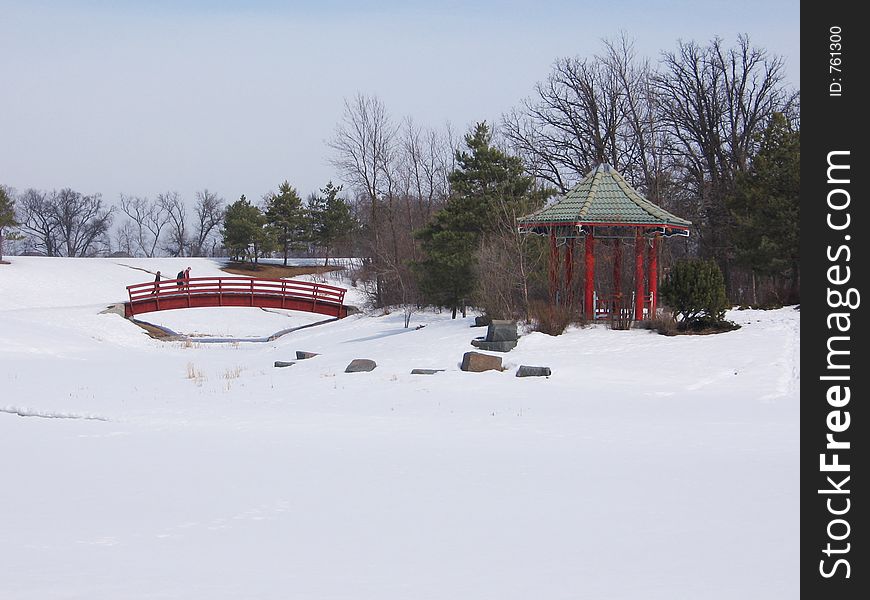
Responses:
[425,371]
[281,363]
[527,371]
[476,362]
[361,365]
[502,331]
[482,321]
[300,355]
[493,346]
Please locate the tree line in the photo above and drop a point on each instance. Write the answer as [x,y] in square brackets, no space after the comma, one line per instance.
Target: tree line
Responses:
[709,132]
[285,224]
[68,223]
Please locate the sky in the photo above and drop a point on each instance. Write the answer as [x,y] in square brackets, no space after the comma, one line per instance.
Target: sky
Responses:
[140,98]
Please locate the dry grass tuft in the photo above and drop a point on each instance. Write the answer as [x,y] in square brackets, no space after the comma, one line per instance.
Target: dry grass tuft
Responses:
[233,372]
[195,374]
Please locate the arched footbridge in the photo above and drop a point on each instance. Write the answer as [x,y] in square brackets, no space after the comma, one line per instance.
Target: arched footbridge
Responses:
[198,292]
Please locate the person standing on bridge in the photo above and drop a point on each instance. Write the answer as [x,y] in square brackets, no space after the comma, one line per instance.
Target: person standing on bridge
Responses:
[187,278]
[183,277]
[156,283]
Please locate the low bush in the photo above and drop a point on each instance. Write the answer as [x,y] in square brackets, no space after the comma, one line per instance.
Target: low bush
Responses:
[552,320]
[694,290]
[664,325]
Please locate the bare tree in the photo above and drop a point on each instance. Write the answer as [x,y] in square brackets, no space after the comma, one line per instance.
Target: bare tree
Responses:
[570,125]
[82,222]
[426,160]
[715,102]
[37,221]
[588,111]
[126,238]
[150,218]
[363,144]
[176,212]
[209,213]
[65,222]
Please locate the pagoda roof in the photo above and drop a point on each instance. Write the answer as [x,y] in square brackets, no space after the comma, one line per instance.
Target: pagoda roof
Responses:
[602,198]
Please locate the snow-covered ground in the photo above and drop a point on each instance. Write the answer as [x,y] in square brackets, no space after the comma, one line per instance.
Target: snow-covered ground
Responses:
[645,467]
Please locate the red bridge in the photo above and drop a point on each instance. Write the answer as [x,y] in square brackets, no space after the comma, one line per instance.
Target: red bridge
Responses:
[196,292]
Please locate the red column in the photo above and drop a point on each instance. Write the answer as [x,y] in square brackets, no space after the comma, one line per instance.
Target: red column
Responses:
[589,299]
[617,276]
[638,276]
[653,277]
[554,266]
[569,271]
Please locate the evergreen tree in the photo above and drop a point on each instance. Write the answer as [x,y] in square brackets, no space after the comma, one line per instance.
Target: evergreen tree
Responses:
[766,207]
[245,231]
[286,215]
[331,218]
[488,191]
[446,276]
[487,184]
[7,214]
[695,292]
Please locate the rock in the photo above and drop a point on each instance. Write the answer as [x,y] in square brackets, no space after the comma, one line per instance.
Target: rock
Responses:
[425,371]
[300,355]
[476,362]
[527,371]
[502,331]
[281,363]
[482,321]
[493,346]
[361,365]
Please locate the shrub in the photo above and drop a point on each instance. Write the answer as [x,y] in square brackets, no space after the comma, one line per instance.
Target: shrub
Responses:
[552,320]
[663,325]
[695,291]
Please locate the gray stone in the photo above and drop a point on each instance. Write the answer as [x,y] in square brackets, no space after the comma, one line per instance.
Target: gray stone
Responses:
[481,321]
[300,355]
[281,363]
[425,371]
[493,346]
[527,371]
[361,365]
[476,362]
[502,331]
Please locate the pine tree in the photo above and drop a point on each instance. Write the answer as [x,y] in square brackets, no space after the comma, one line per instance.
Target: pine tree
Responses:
[245,231]
[286,215]
[487,184]
[7,214]
[766,207]
[695,292]
[446,276]
[488,191]
[331,218]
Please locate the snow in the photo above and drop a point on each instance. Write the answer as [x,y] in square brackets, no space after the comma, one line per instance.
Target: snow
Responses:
[645,467]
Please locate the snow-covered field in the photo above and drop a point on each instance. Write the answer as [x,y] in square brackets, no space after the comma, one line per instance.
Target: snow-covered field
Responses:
[645,467]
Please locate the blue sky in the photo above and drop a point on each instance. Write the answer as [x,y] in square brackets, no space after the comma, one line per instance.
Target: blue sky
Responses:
[140,98]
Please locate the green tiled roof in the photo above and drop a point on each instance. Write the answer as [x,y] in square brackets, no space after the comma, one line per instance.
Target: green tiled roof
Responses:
[603,197]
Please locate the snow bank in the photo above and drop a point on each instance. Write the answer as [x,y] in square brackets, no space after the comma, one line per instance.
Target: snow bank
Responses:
[138,468]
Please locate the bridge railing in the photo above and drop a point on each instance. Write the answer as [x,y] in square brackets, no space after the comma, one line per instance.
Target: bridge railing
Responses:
[236,286]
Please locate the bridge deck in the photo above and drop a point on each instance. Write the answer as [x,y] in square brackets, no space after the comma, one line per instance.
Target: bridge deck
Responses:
[197,292]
